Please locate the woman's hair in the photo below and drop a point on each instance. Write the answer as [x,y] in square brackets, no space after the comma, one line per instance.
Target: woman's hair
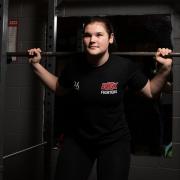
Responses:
[108,26]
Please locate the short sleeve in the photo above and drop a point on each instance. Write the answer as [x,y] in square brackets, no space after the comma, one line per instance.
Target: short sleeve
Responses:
[137,79]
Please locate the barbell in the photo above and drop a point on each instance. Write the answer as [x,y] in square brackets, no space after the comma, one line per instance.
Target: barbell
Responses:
[51,54]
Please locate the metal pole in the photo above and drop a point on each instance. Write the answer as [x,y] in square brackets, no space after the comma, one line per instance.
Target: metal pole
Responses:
[3,40]
[55,54]
[49,96]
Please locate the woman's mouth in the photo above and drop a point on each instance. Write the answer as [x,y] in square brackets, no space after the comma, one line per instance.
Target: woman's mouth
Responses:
[93,47]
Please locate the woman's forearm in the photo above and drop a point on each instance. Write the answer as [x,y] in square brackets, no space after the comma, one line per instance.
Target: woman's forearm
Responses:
[159,81]
[47,78]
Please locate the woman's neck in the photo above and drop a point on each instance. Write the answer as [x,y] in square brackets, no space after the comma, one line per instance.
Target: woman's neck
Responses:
[98,60]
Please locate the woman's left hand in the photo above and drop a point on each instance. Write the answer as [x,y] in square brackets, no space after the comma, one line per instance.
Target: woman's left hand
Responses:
[166,63]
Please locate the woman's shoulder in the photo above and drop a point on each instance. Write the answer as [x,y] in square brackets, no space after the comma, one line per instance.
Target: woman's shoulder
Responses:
[121,59]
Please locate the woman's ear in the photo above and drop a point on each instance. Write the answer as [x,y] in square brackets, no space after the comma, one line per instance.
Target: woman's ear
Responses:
[111,39]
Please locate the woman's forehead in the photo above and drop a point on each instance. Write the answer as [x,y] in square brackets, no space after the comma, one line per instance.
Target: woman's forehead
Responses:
[95,26]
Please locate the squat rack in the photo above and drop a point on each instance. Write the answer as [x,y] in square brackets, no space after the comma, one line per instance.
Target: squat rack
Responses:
[49,97]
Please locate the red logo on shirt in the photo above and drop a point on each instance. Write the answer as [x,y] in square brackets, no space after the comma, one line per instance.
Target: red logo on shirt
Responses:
[109,88]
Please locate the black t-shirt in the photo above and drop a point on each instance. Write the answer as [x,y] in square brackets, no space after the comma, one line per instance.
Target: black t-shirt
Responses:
[96,110]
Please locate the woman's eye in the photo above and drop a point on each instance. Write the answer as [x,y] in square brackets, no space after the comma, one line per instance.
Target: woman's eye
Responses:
[86,35]
[98,35]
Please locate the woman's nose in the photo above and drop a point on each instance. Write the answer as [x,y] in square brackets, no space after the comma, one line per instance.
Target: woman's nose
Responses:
[93,39]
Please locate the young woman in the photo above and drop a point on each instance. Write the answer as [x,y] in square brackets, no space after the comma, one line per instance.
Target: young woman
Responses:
[96,81]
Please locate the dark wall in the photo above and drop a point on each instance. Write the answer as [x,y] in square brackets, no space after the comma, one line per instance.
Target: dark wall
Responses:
[23,107]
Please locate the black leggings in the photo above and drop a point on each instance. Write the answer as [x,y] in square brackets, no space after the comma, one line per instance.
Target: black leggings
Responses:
[75,161]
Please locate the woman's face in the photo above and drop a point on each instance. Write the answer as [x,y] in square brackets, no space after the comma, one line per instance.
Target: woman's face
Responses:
[96,39]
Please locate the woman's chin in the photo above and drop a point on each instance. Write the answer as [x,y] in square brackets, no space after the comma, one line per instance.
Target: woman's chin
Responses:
[94,53]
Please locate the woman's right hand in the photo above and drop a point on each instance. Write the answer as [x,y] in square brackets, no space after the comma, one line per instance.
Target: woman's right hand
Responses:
[34,55]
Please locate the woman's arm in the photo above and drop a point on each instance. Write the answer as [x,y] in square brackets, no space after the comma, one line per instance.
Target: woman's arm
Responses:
[153,87]
[47,78]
